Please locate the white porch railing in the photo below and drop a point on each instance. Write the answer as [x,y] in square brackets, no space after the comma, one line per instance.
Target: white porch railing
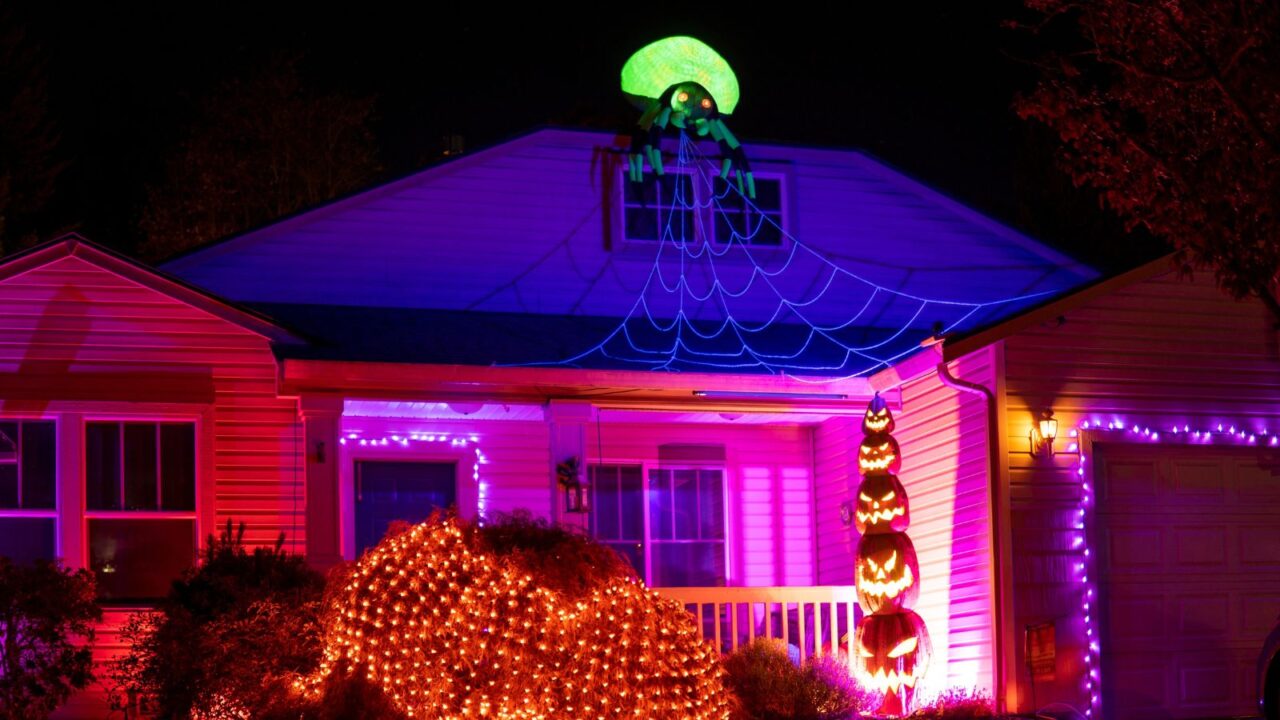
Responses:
[815,620]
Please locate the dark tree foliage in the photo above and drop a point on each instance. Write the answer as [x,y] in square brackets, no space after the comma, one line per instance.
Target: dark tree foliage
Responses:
[47,616]
[29,166]
[1170,109]
[262,148]
[227,635]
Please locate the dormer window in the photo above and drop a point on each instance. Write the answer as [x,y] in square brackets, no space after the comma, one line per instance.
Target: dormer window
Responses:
[697,207]
[758,223]
[651,206]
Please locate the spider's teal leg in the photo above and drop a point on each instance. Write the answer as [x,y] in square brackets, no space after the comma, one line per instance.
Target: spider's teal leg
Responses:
[735,159]
[655,144]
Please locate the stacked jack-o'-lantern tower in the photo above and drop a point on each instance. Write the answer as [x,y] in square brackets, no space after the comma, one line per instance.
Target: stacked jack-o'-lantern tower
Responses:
[892,642]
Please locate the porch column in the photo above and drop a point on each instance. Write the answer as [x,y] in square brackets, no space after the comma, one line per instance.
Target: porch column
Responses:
[321,417]
[567,422]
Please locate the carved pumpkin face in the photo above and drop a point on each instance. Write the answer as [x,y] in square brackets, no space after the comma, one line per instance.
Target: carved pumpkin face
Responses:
[893,654]
[878,419]
[879,453]
[888,572]
[882,505]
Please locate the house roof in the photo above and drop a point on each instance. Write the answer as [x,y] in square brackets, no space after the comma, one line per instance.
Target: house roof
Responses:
[979,336]
[74,245]
[513,252]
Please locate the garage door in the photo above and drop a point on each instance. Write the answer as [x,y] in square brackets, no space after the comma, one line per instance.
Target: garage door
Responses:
[1190,557]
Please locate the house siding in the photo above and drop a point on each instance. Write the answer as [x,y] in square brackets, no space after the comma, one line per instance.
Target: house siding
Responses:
[1162,352]
[836,481]
[946,472]
[79,340]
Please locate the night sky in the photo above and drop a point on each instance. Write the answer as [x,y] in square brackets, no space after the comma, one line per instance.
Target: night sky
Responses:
[924,87]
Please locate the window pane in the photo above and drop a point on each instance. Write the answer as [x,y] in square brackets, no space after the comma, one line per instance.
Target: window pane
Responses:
[697,564]
[25,539]
[140,466]
[679,225]
[660,504]
[8,485]
[178,466]
[604,503]
[632,485]
[633,553]
[102,466]
[9,465]
[139,559]
[39,460]
[639,193]
[768,195]
[641,223]
[710,505]
[685,504]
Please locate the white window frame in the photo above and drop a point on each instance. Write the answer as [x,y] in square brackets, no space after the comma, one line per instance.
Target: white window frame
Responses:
[54,513]
[462,458]
[700,215]
[704,217]
[201,424]
[784,213]
[645,467]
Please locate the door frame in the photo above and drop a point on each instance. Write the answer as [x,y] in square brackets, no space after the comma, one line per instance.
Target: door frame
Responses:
[465,489]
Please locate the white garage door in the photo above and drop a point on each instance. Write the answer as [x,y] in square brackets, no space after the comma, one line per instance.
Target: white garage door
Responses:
[1190,577]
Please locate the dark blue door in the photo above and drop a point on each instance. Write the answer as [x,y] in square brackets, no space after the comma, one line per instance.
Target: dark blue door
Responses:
[390,491]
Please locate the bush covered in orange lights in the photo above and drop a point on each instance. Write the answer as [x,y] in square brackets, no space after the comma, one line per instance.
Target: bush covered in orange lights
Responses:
[772,687]
[514,619]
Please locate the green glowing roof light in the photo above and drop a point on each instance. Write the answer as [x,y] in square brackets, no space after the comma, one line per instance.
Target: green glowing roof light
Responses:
[659,65]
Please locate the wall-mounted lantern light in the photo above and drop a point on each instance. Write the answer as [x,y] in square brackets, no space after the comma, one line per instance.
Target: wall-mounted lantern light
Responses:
[569,477]
[1042,435]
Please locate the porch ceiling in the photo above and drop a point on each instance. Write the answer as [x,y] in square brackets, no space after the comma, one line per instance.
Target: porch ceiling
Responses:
[606,389]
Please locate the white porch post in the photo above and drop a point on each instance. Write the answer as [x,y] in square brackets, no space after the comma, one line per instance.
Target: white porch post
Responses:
[567,423]
[321,417]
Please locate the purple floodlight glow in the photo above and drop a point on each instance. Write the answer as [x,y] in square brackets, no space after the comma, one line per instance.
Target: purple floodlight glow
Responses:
[482,488]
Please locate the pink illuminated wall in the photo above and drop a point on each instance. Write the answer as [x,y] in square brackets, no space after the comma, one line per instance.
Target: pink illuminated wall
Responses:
[945,470]
[943,436]
[82,341]
[768,469]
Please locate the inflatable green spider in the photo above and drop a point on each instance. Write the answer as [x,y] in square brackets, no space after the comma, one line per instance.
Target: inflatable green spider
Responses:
[680,81]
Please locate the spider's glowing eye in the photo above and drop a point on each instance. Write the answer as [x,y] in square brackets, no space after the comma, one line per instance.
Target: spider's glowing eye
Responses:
[683,97]
[864,652]
[903,648]
[706,103]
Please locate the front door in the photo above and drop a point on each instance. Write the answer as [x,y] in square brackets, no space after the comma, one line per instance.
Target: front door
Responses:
[408,491]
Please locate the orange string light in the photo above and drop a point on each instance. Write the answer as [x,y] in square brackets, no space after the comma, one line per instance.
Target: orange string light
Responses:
[448,629]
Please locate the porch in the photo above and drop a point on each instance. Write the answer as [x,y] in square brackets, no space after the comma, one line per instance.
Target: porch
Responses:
[812,621]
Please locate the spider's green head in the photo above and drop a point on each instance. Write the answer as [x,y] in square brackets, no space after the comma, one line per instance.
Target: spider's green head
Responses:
[682,64]
[693,100]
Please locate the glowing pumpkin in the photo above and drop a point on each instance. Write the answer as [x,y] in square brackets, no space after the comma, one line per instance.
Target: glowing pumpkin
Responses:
[882,505]
[893,655]
[879,453]
[878,419]
[888,573]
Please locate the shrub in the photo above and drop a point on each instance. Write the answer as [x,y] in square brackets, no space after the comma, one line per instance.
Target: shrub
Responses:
[516,618]
[956,704]
[230,629]
[771,687]
[43,608]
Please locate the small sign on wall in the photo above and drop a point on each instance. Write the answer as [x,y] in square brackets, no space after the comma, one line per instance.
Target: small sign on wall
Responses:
[1041,651]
